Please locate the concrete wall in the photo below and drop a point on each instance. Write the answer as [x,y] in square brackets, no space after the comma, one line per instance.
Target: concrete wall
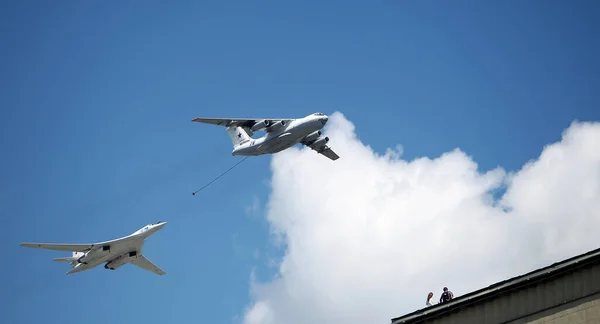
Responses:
[583,311]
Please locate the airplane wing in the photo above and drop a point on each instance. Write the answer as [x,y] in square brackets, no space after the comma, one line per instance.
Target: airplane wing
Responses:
[322,149]
[59,247]
[328,152]
[142,262]
[80,247]
[246,123]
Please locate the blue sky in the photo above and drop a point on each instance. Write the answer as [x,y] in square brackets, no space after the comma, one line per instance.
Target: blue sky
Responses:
[97,97]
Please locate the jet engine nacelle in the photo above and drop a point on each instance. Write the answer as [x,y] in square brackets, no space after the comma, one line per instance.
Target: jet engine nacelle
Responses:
[115,264]
[276,126]
[312,136]
[260,125]
[320,142]
[120,261]
[94,254]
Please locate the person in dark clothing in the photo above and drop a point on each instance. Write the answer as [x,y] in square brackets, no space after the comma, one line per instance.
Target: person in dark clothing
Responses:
[446,296]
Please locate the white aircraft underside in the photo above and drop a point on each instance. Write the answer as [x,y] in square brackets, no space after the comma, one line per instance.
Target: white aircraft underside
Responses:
[280,134]
[115,253]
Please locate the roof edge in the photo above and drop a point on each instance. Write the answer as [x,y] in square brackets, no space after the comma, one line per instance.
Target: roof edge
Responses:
[490,291]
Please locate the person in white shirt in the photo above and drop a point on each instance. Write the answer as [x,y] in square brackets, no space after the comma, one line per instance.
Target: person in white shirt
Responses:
[429,299]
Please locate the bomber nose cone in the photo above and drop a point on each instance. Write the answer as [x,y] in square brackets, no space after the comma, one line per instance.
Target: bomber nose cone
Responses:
[324,120]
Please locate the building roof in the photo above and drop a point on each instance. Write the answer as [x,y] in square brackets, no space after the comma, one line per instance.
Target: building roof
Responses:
[501,287]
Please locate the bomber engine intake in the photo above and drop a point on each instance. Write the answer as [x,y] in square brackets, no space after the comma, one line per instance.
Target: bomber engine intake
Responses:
[115,264]
[120,261]
[261,125]
[94,254]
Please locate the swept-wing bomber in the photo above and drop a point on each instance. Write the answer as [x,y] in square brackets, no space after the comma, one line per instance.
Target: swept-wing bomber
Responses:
[116,253]
[280,134]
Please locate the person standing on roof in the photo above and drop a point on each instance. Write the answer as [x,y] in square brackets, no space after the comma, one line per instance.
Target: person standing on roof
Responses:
[446,296]
[429,301]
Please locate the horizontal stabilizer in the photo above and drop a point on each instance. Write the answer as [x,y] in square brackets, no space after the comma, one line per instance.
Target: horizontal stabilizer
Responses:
[68,259]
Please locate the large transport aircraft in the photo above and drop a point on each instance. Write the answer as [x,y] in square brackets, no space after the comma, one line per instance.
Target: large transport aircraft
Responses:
[281,134]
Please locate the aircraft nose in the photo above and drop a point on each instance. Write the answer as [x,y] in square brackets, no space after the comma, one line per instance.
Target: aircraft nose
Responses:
[324,120]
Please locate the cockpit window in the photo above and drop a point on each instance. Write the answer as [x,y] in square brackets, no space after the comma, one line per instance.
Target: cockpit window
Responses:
[319,114]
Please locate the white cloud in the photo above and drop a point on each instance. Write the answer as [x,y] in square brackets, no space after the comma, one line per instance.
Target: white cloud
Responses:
[368,236]
[254,208]
[259,313]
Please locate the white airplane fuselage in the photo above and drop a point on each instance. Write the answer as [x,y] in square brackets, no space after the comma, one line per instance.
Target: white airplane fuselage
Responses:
[117,252]
[283,137]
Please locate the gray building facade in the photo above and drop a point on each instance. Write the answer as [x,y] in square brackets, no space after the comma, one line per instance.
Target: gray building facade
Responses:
[567,292]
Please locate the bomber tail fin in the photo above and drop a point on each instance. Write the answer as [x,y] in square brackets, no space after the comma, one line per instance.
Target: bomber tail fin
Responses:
[68,259]
[238,135]
[72,259]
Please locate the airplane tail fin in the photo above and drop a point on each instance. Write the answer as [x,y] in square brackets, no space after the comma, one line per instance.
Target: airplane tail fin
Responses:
[238,135]
[68,259]
[72,259]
